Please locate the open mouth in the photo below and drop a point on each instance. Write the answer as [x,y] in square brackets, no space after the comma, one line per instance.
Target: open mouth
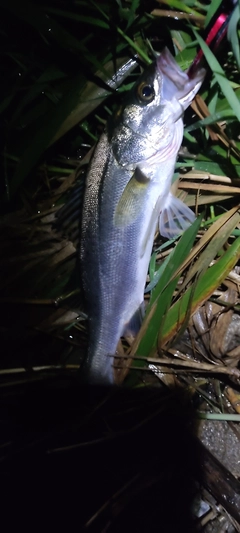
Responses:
[185,88]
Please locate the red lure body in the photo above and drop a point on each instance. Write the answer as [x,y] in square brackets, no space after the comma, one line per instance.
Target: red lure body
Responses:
[215,31]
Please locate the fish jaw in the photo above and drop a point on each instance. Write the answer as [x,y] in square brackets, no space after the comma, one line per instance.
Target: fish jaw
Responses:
[177,84]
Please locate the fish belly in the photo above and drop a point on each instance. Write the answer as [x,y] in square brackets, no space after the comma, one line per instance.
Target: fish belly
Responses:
[114,261]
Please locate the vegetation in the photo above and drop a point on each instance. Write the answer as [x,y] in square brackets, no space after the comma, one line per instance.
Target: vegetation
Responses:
[57,62]
[55,101]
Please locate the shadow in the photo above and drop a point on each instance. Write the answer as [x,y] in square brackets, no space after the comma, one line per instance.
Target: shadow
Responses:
[90,459]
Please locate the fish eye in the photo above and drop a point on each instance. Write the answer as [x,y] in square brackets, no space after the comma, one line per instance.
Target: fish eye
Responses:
[145,92]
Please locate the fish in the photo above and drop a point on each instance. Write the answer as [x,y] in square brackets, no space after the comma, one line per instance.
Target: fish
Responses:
[127,193]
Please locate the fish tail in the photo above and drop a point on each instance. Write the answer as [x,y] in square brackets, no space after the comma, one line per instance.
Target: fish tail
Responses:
[97,367]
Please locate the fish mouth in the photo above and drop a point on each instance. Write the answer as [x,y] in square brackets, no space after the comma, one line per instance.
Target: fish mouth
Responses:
[178,83]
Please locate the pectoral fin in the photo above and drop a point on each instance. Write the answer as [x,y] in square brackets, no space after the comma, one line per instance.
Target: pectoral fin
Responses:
[175,217]
[132,200]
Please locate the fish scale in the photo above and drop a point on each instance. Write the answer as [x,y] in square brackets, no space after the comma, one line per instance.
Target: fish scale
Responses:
[127,191]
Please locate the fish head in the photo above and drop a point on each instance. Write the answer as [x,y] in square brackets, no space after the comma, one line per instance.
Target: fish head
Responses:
[145,126]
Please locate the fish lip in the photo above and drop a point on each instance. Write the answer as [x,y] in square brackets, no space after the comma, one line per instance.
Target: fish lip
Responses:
[168,66]
[186,86]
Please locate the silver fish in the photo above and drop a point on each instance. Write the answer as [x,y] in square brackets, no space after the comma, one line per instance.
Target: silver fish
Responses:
[127,191]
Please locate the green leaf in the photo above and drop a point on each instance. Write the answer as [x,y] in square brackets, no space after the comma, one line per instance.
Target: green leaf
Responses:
[232,34]
[93,95]
[206,285]
[212,119]
[131,13]
[79,18]
[52,73]
[228,417]
[215,168]
[178,255]
[37,18]
[160,301]
[219,75]
[163,320]
[76,103]
[49,29]
[213,7]
[219,232]
[181,6]
[130,41]
[50,124]
[5,102]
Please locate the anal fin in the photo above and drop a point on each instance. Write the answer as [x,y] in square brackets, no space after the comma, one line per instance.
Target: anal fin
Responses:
[133,326]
